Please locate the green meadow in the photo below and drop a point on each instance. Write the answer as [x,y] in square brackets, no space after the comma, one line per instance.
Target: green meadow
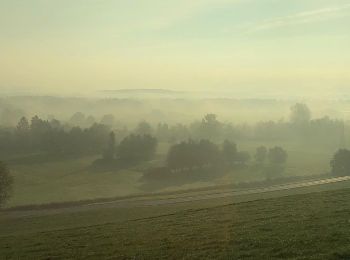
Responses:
[41,180]
[307,226]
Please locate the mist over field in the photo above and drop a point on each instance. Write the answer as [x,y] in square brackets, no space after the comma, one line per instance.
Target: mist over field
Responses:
[153,141]
[204,129]
[132,107]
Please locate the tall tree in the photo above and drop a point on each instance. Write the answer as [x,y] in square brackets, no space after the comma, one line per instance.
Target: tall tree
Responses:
[210,128]
[22,140]
[300,114]
[23,127]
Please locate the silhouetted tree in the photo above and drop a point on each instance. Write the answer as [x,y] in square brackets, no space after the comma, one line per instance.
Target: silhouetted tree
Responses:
[208,153]
[300,114]
[191,154]
[54,138]
[22,134]
[6,182]
[78,119]
[39,133]
[55,124]
[277,156]
[260,154]
[229,152]
[210,127]
[340,163]
[136,148]
[96,137]
[23,127]
[143,128]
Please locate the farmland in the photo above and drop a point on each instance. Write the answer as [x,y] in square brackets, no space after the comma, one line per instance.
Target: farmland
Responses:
[308,226]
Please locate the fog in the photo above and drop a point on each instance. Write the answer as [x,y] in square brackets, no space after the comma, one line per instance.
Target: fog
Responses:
[88,89]
[161,118]
[293,50]
[161,140]
[155,108]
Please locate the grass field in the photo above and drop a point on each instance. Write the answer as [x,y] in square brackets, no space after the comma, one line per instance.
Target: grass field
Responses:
[46,181]
[307,226]
[68,180]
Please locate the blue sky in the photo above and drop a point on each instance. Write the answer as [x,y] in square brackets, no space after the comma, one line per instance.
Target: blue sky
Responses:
[277,46]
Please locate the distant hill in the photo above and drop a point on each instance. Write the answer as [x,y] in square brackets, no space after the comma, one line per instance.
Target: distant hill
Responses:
[142,91]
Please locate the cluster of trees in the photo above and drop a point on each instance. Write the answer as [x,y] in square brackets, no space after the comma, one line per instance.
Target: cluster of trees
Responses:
[206,157]
[204,153]
[86,121]
[274,156]
[131,150]
[6,182]
[271,162]
[52,137]
[299,128]
[192,154]
[137,148]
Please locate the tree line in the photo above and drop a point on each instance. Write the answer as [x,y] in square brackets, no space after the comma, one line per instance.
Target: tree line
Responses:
[55,137]
[193,156]
[129,151]
[38,135]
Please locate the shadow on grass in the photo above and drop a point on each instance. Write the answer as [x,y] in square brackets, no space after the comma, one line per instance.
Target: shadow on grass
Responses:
[160,178]
[102,165]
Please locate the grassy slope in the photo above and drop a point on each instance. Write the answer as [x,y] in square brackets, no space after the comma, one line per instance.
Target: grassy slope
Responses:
[312,226]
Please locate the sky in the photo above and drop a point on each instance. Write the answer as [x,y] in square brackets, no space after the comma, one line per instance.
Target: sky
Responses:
[281,47]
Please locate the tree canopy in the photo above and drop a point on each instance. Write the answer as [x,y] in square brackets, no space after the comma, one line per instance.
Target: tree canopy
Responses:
[277,155]
[136,148]
[340,163]
[300,114]
[260,154]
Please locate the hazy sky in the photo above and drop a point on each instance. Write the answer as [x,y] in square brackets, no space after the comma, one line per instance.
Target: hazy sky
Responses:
[282,46]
